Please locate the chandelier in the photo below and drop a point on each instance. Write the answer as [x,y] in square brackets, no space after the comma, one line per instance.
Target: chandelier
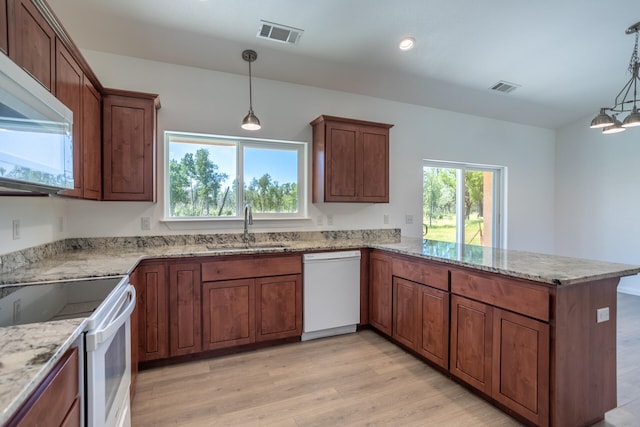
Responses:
[607,119]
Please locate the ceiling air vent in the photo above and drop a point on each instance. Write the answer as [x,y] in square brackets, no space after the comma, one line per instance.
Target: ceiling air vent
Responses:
[504,87]
[279,33]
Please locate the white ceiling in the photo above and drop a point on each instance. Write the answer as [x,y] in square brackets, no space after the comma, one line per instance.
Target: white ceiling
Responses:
[569,56]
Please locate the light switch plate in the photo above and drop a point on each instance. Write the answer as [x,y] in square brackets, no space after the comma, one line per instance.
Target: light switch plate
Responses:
[16,229]
[602,314]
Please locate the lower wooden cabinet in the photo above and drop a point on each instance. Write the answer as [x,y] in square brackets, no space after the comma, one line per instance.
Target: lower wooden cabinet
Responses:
[55,402]
[503,354]
[179,314]
[421,319]
[471,342]
[228,315]
[380,292]
[152,289]
[185,309]
[278,307]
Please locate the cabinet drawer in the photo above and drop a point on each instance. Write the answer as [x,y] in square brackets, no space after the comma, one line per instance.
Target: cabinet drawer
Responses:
[242,268]
[422,272]
[510,294]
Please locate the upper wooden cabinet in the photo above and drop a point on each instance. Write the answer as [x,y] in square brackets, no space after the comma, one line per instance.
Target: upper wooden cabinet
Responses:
[350,160]
[32,42]
[69,89]
[129,145]
[4,31]
[91,142]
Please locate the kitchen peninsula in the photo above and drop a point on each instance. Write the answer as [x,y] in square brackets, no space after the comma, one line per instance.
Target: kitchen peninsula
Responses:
[510,305]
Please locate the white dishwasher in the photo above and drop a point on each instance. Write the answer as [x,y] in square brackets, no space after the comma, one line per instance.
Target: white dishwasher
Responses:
[331,293]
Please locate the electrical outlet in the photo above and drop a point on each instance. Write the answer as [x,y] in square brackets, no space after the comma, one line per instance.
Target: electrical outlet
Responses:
[408,219]
[60,224]
[16,229]
[329,219]
[145,223]
[320,220]
[385,219]
[602,314]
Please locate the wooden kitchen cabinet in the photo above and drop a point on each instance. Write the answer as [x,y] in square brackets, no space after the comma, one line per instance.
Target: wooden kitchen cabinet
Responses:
[350,160]
[406,312]
[185,309]
[91,141]
[471,342]
[421,308]
[271,288]
[521,365]
[228,313]
[278,307]
[55,402]
[129,145]
[4,30]
[502,353]
[421,319]
[32,42]
[69,89]
[380,292]
[152,290]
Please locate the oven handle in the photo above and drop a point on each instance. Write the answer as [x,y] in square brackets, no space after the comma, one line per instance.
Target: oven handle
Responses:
[100,335]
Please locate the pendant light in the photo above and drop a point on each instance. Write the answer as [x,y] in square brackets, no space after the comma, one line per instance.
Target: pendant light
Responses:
[250,121]
[624,101]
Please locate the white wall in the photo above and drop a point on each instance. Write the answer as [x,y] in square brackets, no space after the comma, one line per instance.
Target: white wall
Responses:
[39,221]
[197,100]
[598,196]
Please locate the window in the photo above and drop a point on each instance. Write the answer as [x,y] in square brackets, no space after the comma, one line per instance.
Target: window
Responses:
[211,176]
[462,203]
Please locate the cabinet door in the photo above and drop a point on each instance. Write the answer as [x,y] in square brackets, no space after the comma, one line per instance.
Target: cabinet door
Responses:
[521,365]
[343,162]
[375,165]
[228,313]
[69,89]
[129,148]
[4,31]
[185,309]
[380,292]
[406,307]
[433,339]
[91,142]
[32,42]
[153,314]
[471,340]
[278,307]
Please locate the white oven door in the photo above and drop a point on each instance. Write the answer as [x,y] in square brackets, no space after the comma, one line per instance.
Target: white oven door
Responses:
[108,350]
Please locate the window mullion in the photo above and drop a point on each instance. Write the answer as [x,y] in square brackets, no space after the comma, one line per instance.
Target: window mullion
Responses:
[240,178]
[460,210]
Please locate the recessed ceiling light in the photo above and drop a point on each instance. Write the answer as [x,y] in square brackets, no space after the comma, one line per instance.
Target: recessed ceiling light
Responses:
[407,43]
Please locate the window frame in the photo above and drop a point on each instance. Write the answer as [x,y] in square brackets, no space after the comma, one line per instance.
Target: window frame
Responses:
[301,147]
[499,231]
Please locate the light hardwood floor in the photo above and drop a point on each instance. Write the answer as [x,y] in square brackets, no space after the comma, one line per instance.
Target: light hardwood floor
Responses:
[351,380]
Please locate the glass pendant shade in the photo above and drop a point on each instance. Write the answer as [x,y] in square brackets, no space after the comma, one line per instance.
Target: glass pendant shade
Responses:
[250,121]
[601,120]
[614,128]
[632,119]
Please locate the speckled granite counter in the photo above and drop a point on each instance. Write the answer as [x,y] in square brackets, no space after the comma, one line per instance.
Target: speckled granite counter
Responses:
[81,258]
[551,269]
[27,354]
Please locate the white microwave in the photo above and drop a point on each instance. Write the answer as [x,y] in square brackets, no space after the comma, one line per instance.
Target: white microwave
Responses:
[36,134]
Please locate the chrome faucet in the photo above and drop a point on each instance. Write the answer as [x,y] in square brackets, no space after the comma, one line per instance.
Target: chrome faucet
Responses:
[248,220]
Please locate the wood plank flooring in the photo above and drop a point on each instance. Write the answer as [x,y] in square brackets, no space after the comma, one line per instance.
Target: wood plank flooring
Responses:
[351,380]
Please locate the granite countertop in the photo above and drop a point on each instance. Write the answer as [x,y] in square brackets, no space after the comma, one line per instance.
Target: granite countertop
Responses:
[24,349]
[550,269]
[27,354]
